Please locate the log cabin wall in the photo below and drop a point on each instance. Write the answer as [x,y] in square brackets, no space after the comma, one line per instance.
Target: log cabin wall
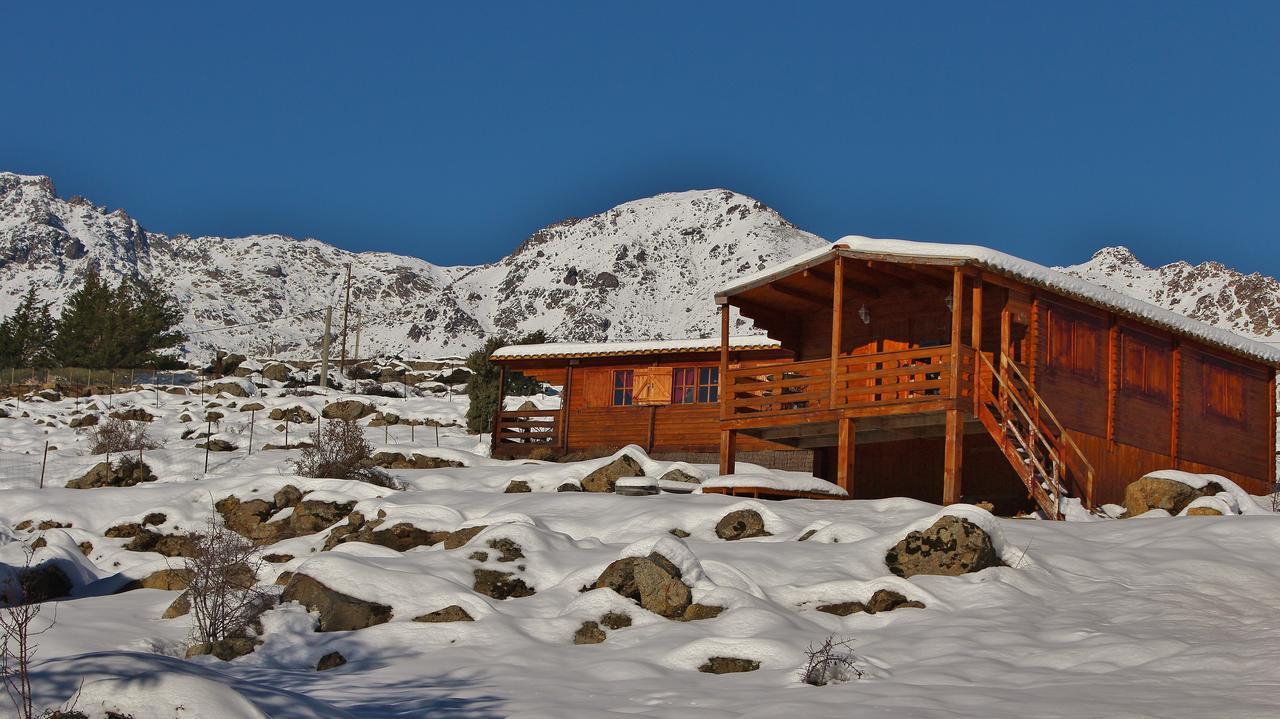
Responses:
[1115,390]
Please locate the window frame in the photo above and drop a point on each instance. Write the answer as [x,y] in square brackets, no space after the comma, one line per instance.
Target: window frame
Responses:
[1216,402]
[622,386]
[1072,328]
[695,385]
[1149,348]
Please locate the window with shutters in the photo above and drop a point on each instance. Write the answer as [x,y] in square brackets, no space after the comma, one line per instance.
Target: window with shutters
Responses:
[623,381]
[690,385]
[1223,392]
[1144,367]
[1073,345]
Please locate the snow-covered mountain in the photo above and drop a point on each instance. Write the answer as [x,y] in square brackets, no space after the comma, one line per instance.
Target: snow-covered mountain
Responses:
[643,270]
[1210,292]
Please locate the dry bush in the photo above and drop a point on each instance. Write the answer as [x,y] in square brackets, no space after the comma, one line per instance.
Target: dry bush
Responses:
[830,661]
[17,637]
[339,450]
[223,592]
[113,435]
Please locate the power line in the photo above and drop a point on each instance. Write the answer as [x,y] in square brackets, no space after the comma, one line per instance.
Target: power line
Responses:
[259,322]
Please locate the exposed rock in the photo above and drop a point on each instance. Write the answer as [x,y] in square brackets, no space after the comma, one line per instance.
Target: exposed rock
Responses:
[125,473]
[500,585]
[589,633]
[422,461]
[481,557]
[508,549]
[728,665]
[701,611]
[338,612]
[278,372]
[296,415]
[235,389]
[678,532]
[605,478]
[459,537]
[179,607]
[741,524]
[1203,512]
[677,475]
[167,579]
[348,409]
[224,649]
[253,407]
[401,537]
[653,582]
[1172,496]
[884,600]
[616,620]
[88,420]
[43,582]
[332,660]
[951,547]
[277,558]
[217,445]
[312,515]
[568,487]
[517,486]
[807,534]
[451,613]
[136,414]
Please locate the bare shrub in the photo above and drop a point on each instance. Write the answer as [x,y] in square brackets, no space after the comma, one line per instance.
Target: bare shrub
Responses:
[17,637]
[223,568]
[832,660]
[339,450]
[114,435]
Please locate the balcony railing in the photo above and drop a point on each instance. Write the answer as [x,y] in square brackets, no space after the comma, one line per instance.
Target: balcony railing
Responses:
[865,380]
[526,429]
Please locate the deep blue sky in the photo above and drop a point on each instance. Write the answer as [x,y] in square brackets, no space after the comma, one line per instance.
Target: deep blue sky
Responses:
[452,131]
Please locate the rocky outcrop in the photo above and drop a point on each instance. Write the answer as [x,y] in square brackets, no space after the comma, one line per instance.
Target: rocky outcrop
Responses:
[589,633]
[348,409]
[728,665]
[1150,493]
[653,582]
[884,600]
[125,473]
[451,613]
[296,415]
[332,660]
[950,547]
[401,536]
[338,612]
[500,585]
[741,524]
[606,478]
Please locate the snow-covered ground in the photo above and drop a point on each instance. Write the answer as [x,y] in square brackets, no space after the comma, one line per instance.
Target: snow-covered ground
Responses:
[1158,616]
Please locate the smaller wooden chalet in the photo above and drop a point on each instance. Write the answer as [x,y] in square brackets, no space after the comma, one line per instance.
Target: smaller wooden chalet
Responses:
[944,372]
[660,395]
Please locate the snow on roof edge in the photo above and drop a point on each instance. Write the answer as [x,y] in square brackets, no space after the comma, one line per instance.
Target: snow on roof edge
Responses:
[1031,273]
[606,349]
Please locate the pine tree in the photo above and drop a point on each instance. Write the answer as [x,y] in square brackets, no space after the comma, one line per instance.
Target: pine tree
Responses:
[26,336]
[83,323]
[130,325]
[482,388]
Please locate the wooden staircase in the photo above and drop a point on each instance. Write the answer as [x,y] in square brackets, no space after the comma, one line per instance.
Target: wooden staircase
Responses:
[1041,452]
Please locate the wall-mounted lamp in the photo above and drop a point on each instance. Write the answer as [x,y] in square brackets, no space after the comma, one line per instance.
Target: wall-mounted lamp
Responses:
[864,314]
[950,302]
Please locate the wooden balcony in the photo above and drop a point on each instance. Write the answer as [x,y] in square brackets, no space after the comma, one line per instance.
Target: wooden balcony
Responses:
[914,381]
[516,433]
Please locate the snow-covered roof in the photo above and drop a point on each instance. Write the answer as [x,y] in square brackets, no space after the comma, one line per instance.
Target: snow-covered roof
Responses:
[1024,270]
[642,347]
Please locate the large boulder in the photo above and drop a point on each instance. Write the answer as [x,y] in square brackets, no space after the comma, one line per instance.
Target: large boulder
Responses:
[249,518]
[311,515]
[653,582]
[401,536]
[125,473]
[235,389]
[88,420]
[348,409]
[296,415]
[338,612]
[950,547]
[135,414]
[605,478]
[1172,496]
[277,372]
[741,524]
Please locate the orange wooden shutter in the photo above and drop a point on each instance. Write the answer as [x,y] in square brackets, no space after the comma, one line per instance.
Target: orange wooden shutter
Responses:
[652,385]
[597,387]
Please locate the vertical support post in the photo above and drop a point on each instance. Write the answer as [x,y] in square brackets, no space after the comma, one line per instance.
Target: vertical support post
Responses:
[44,461]
[837,327]
[1175,396]
[566,396]
[957,328]
[954,460]
[653,421]
[975,337]
[324,348]
[846,443]
[346,309]
[725,392]
[728,450]
[208,440]
[1113,349]
[286,431]
[502,399]
[1271,430]
[252,415]
[1033,349]
[356,352]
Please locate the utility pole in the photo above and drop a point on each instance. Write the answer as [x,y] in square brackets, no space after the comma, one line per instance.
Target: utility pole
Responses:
[346,308]
[324,348]
[356,354]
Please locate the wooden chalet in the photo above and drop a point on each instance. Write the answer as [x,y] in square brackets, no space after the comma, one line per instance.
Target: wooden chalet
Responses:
[660,395]
[953,372]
